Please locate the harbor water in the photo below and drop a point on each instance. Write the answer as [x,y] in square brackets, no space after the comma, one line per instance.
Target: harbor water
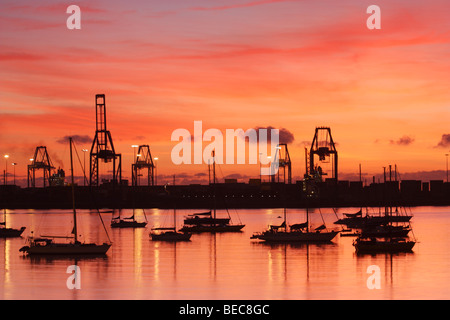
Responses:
[223,266]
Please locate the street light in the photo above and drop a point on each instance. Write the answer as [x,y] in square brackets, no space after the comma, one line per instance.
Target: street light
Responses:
[134,146]
[156,171]
[14,164]
[6,169]
[138,170]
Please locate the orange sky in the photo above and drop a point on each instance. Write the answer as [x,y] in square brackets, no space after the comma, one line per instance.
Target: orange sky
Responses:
[231,64]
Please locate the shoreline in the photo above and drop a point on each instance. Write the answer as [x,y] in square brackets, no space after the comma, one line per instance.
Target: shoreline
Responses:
[227,196]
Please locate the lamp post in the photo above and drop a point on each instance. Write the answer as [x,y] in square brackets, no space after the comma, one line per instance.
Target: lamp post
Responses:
[156,171]
[14,164]
[6,169]
[134,146]
[28,175]
[138,182]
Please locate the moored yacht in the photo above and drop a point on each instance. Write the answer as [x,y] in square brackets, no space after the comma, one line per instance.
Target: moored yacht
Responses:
[9,232]
[296,233]
[46,245]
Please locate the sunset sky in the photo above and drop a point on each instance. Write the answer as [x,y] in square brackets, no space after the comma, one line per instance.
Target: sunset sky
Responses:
[231,64]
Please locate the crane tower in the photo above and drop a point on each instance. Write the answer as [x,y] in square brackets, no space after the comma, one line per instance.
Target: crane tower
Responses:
[102,146]
[323,148]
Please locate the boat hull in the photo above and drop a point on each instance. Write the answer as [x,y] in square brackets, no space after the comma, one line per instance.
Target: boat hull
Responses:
[367,221]
[350,234]
[383,246]
[206,220]
[67,249]
[170,236]
[385,232]
[306,237]
[212,228]
[11,233]
[128,224]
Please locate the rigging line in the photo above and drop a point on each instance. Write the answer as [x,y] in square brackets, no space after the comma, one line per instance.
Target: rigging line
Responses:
[79,161]
[320,211]
[145,216]
[409,222]
[93,198]
[225,204]
[76,152]
[335,213]
[164,221]
[101,219]
[335,210]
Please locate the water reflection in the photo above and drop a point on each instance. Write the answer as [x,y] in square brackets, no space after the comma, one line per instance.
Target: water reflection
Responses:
[6,253]
[298,265]
[225,266]
[213,254]
[393,267]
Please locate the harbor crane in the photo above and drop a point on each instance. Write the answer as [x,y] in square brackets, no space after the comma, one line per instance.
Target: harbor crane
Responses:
[40,161]
[323,148]
[143,160]
[103,147]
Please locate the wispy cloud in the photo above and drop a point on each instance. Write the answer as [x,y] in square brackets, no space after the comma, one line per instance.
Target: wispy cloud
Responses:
[285,136]
[445,141]
[238,5]
[403,141]
[21,56]
[76,138]
[52,8]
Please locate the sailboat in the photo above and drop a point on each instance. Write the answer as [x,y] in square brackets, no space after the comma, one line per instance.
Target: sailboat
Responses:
[128,222]
[169,233]
[358,221]
[205,218]
[387,232]
[212,227]
[46,245]
[299,232]
[386,236]
[9,232]
[378,245]
[208,221]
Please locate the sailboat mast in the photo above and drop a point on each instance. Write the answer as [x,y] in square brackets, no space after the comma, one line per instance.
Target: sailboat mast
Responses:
[307,219]
[75,231]
[175,218]
[214,181]
[4,217]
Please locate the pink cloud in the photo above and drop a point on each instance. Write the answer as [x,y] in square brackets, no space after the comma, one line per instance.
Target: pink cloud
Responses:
[238,5]
[21,56]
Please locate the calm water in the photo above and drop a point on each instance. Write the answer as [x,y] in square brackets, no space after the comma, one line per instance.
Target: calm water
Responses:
[224,266]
